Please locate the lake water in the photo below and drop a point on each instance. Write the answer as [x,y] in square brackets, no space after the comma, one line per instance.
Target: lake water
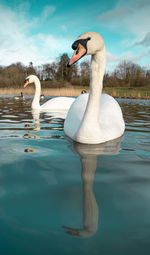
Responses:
[60,197]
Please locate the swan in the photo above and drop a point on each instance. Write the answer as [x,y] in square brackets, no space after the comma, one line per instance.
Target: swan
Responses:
[41,97]
[55,104]
[19,97]
[83,91]
[95,117]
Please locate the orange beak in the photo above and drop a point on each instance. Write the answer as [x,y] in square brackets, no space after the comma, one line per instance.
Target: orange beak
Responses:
[26,83]
[78,53]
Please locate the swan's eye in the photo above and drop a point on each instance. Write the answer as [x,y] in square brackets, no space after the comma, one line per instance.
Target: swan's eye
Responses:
[26,80]
[77,51]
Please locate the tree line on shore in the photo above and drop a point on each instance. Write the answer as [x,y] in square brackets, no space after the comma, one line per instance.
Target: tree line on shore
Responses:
[126,74]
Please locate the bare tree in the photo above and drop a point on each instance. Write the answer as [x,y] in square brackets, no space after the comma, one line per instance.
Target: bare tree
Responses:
[126,74]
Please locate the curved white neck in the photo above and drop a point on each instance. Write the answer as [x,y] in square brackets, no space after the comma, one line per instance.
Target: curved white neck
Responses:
[36,99]
[89,127]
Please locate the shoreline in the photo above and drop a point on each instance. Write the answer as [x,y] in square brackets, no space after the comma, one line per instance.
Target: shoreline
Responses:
[45,91]
[76,91]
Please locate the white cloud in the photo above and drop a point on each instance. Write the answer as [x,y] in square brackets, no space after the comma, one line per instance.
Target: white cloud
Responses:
[130,17]
[16,43]
[114,15]
[139,57]
[144,42]
[112,58]
[111,61]
[47,11]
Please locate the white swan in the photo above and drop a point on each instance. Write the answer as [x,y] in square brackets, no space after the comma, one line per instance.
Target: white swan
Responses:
[41,97]
[55,104]
[19,97]
[95,117]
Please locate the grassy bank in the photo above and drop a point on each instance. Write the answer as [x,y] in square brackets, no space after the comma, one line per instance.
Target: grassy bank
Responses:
[71,91]
[128,93]
[76,91]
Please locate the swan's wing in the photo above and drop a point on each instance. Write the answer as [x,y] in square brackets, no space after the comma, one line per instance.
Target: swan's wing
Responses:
[75,115]
[111,118]
[58,104]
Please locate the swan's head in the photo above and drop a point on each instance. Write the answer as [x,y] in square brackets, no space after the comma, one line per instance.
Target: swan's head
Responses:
[88,43]
[30,79]
[83,91]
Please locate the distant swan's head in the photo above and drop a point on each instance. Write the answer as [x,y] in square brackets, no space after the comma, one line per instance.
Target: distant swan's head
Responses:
[30,79]
[88,43]
[83,91]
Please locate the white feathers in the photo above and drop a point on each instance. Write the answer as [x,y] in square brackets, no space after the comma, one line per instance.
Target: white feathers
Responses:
[94,118]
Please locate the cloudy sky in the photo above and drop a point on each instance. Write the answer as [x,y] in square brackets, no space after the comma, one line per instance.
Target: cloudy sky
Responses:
[40,31]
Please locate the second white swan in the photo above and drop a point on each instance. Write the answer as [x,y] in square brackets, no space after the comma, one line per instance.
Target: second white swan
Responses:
[55,104]
[95,117]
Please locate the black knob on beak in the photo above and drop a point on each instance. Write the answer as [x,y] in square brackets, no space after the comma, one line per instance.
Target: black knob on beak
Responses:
[68,65]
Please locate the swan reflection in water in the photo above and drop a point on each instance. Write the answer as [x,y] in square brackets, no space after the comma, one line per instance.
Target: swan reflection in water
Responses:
[36,121]
[49,115]
[36,118]
[35,127]
[88,157]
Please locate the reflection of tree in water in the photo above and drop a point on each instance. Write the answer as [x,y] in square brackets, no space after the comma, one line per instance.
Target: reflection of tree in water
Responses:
[136,114]
[12,109]
[135,109]
[88,157]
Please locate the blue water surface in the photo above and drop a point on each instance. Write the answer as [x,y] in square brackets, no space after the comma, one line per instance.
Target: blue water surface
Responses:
[61,197]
